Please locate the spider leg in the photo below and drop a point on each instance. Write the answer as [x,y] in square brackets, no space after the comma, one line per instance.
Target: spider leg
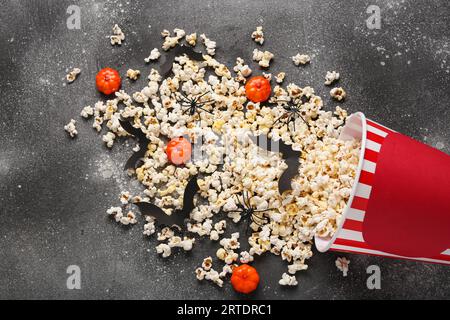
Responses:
[203,109]
[246,199]
[198,97]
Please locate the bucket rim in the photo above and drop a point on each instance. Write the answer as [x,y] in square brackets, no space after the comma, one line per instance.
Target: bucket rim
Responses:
[324,244]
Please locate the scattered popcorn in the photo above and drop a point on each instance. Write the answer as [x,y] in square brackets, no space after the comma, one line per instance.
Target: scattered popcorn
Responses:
[338,93]
[149,227]
[279,78]
[118,215]
[207,264]
[287,280]
[71,129]
[191,39]
[164,249]
[87,112]
[108,138]
[263,58]
[331,77]
[133,74]
[342,265]
[288,222]
[125,197]
[258,35]
[246,257]
[118,36]
[301,59]
[210,45]
[73,75]
[154,55]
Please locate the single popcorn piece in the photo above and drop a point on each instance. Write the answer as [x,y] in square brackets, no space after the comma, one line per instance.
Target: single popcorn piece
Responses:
[338,93]
[154,55]
[118,36]
[207,264]
[73,75]
[210,45]
[258,35]
[342,265]
[279,78]
[263,58]
[125,197]
[149,227]
[301,59]
[245,257]
[164,249]
[191,39]
[87,112]
[71,129]
[133,74]
[287,280]
[331,77]
[108,138]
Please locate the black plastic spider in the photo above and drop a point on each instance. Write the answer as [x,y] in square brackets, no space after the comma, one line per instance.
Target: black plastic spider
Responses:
[193,105]
[291,113]
[248,213]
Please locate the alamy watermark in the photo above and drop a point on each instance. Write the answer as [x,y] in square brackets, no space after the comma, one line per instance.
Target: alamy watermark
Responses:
[74,280]
[374,20]
[374,280]
[73,22]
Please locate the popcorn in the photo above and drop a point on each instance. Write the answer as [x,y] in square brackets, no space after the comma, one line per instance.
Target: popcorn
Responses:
[331,77]
[191,39]
[280,77]
[338,93]
[133,74]
[108,138]
[118,36]
[71,129]
[301,59]
[319,192]
[87,112]
[342,265]
[149,227]
[207,264]
[258,35]
[210,45]
[73,75]
[263,58]
[154,55]
[246,257]
[287,280]
[164,249]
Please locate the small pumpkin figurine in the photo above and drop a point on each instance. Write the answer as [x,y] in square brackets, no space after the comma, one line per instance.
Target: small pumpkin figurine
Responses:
[245,279]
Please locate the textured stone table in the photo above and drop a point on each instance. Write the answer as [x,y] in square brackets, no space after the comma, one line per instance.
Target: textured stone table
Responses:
[54,191]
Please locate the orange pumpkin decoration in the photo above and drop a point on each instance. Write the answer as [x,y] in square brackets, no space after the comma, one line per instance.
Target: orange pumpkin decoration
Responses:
[179,150]
[245,278]
[257,89]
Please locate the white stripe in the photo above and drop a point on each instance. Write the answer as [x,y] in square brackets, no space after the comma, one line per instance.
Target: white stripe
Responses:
[388,129]
[369,166]
[355,214]
[372,145]
[350,235]
[364,250]
[363,190]
[446,252]
[376,131]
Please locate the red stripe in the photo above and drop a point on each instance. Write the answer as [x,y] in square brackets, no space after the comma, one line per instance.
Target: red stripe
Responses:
[366,177]
[352,225]
[359,203]
[371,155]
[351,243]
[374,137]
[376,125]
[442,257]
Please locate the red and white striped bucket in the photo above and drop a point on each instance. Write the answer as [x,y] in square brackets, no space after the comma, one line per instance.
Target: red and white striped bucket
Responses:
[400,204]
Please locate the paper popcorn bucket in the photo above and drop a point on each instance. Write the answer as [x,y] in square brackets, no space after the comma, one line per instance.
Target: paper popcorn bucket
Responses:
[400,202]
